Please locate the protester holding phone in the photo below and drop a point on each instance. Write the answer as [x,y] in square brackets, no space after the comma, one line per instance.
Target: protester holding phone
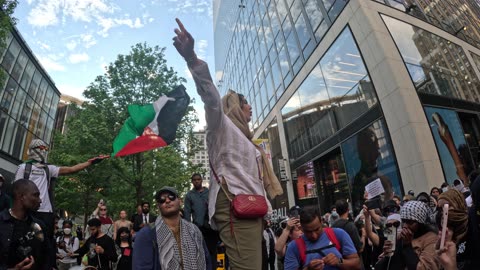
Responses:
[415,245]
[291,232]
[456,234]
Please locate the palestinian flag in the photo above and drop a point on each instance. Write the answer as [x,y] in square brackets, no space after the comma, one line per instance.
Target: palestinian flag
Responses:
[152,126]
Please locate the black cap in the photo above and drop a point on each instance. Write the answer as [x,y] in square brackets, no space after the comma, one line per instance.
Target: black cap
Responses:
[165,189]
[391,203]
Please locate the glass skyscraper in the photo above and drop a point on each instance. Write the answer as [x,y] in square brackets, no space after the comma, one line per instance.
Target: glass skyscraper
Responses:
[28,103]
[353,95]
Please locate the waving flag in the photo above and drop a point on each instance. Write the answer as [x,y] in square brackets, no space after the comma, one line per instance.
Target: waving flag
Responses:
[152,126]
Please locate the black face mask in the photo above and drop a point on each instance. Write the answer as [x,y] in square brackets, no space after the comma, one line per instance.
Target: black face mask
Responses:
[124,238]
[145,211]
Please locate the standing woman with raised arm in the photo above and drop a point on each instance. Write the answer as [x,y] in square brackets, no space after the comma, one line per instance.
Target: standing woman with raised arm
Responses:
[241,166]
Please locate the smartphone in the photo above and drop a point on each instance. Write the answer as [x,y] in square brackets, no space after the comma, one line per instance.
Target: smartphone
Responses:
[444,225]
[391,234]
[374,203]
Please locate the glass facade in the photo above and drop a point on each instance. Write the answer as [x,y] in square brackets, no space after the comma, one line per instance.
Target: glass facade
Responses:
[337,91]
[269,44]
[28,100]
[458,17]
[437,66]
[369,156]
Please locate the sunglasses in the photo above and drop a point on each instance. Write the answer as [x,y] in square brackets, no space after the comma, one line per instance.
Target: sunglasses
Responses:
[395,224]
[163,199]
[103,209]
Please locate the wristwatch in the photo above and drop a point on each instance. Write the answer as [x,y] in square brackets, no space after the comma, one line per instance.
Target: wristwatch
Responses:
[340,261]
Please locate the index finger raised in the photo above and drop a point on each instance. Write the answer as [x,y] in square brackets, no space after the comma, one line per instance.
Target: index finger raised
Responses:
[182,28]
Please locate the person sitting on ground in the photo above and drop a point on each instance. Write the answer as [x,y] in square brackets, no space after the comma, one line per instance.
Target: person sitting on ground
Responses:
[335,249]
[415,249]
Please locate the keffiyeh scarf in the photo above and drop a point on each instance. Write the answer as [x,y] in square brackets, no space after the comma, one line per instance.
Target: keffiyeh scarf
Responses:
[193,254]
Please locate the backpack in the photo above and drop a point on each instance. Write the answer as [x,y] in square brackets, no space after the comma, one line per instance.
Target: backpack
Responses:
[51,181]
[302,247]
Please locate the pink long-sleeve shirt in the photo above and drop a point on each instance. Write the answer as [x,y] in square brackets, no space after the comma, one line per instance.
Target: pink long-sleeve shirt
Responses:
[233,156]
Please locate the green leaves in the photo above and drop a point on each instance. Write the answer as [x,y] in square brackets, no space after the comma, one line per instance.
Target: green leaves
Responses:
[139,77]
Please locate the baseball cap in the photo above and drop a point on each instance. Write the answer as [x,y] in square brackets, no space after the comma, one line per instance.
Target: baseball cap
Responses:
[167,189]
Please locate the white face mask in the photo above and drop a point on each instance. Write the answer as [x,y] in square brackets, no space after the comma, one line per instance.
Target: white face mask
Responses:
[444,189]
[67,231]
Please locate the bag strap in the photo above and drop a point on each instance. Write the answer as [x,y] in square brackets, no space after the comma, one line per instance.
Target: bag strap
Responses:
[302,250]
[333,238]
[218,181]
[226,194]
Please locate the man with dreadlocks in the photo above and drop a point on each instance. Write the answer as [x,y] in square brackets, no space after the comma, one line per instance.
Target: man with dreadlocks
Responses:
[41,173]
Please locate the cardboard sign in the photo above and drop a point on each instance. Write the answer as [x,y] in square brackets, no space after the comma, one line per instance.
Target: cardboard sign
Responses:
[374,188]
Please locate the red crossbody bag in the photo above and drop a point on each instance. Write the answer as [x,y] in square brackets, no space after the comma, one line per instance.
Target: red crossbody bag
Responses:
[245,206]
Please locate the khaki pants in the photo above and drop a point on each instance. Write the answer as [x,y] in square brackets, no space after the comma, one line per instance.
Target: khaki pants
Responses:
[244,247]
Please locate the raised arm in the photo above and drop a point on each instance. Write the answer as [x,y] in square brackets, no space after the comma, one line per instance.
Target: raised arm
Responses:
[184,43]
[80,166]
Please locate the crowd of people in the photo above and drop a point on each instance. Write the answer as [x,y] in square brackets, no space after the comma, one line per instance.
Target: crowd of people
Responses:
[436,230]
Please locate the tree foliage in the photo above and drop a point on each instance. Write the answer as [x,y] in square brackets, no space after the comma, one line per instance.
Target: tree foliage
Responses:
[139,77]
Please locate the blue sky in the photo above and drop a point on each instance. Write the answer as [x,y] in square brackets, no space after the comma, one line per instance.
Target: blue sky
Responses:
[75,39]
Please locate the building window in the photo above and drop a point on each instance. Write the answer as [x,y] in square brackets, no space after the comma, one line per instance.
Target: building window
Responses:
[337,91]
[428,65]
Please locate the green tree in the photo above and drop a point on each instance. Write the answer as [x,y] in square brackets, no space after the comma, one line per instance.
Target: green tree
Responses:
[139,77]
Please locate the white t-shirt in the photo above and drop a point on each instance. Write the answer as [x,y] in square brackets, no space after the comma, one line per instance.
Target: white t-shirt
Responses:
[39,177]
[71,246]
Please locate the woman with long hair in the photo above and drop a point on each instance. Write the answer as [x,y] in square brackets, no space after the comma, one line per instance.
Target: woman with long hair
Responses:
[238,165]
[123,243]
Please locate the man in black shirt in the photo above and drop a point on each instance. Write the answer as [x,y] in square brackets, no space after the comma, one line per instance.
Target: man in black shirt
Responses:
[22,242]
[99,246]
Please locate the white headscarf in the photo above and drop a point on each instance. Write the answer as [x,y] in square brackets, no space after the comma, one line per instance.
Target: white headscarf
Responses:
[34,153]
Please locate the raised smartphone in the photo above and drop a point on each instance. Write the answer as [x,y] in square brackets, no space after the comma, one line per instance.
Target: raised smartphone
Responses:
[444,225]
[391,234]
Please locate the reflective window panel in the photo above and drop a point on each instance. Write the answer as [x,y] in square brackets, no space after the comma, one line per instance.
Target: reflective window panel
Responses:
[369,157]
[437,66]
[337,91]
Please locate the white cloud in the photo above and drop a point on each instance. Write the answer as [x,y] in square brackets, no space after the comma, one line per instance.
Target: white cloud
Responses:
[72,90]
[202,45]
[50,64]
[44,14]
[109,23]
[43,45]
[188,74]
[78,58]
[191,7]
[88,40]
[71,45]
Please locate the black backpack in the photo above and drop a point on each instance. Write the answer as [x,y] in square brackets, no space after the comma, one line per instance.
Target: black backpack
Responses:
[51,181]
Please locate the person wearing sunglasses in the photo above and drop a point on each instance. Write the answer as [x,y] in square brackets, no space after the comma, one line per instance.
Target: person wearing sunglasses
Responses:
[415,245]
[177,243]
